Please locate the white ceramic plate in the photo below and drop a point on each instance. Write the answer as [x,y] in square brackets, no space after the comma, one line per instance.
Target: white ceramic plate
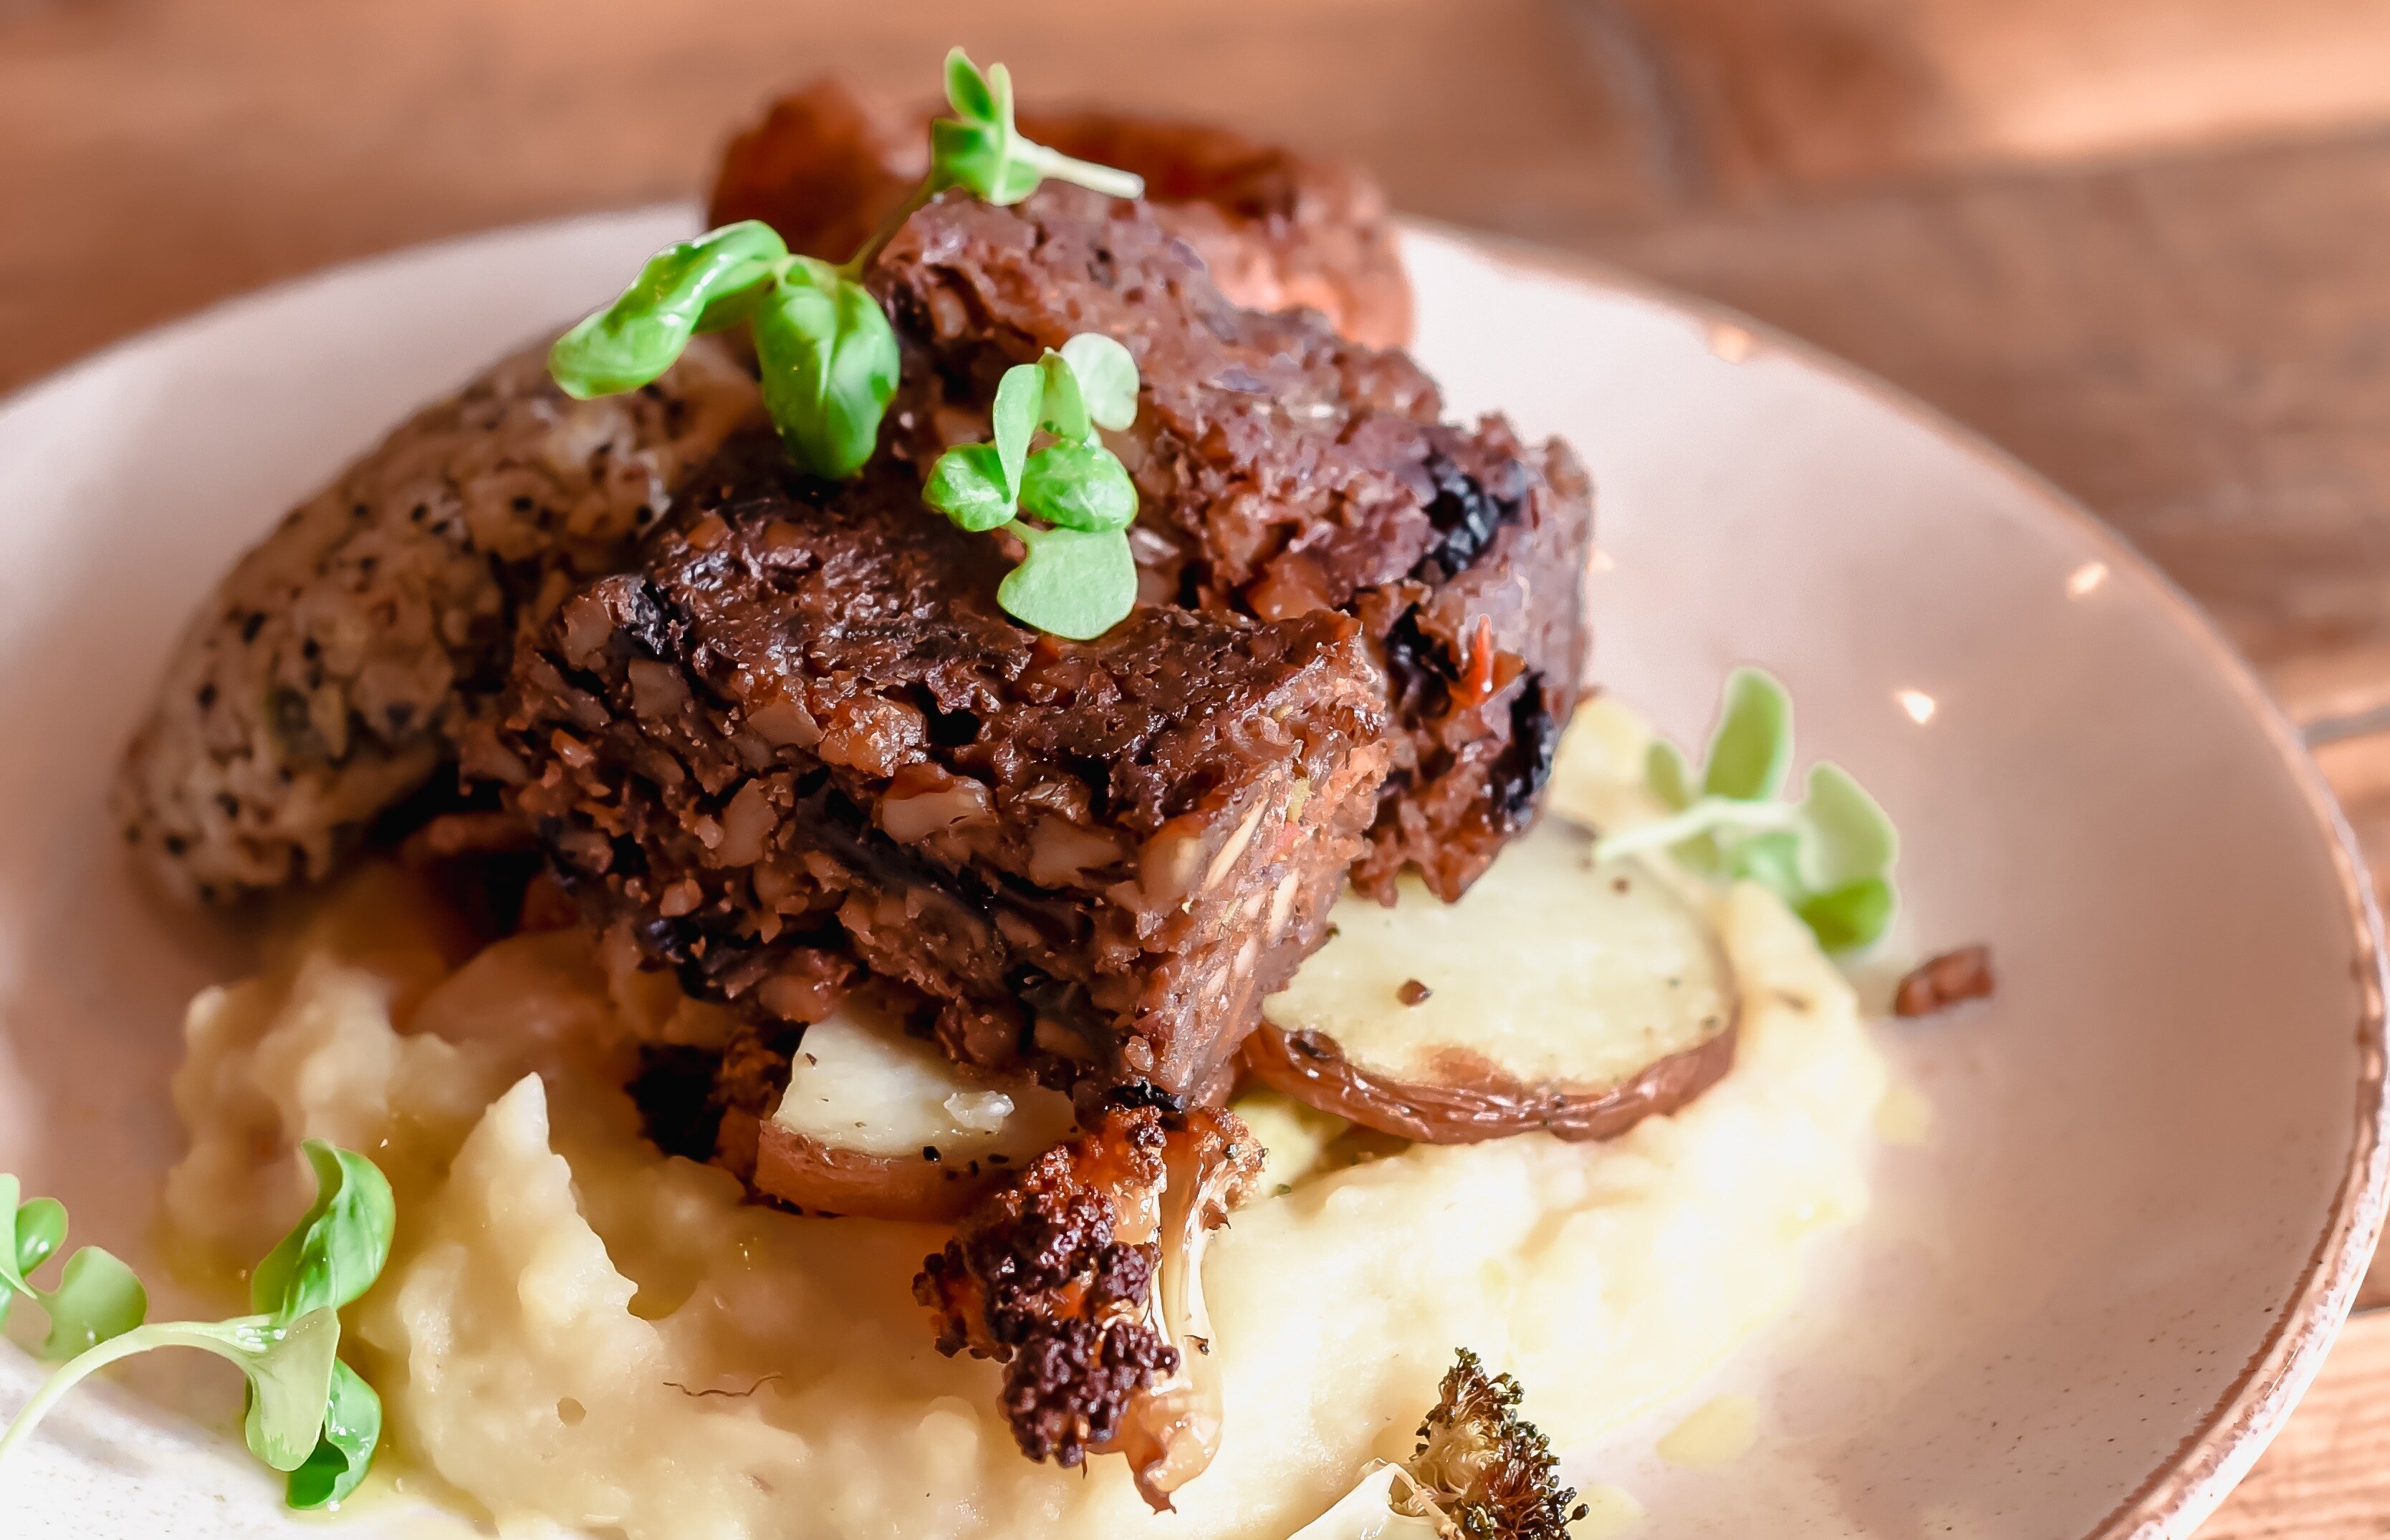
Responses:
[2153,1168]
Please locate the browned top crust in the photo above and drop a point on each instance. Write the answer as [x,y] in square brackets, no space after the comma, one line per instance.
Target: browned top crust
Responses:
[1278,230]
[1282,470]
[1097,855]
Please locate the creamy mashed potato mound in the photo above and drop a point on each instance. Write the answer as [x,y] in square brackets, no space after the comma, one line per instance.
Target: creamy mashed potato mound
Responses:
[575,1331]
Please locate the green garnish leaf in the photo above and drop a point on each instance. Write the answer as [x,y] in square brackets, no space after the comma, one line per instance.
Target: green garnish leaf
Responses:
[1850,837]
[1772,859]
[1107,377]
[1020,400]
[1079,486]
[1830,856]
[289,1372]
[1850,916]
[828,363]
[1670,778]
[1064,413]
[338,1247]
[1753,746]
[687,286]
[98,1298]
[1074,582]
[308,1413]
[28,1235]
[344,1452]
[967,89]
[1079,578]
[968,485]
[982,149]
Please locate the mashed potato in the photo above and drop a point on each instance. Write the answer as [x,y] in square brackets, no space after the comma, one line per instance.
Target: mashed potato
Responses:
[576,1332]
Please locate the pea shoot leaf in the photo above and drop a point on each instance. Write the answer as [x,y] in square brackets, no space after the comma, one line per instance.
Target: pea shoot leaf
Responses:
[967,89]
[1849,836]
[968,485]
[1771,859]
[98,1298]
[1830,856]
[289,1372]
[1019,402]
[982,149]
[1107,377]
[1079,486]
[1064,411]
[1753,746]
[1670,778]
[1075,584]
[1850,916]
[337,1248]
[1079,578]
[29,1233]
[691,285]
[344,1451]
[829,363]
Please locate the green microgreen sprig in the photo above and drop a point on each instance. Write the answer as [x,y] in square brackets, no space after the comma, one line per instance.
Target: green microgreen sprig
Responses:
[1829,856]
[823,348]
[980,148]
[1077,579]
[309,1414]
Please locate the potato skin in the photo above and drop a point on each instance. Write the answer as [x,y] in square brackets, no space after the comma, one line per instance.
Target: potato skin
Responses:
[1309,1067]
[820,1179]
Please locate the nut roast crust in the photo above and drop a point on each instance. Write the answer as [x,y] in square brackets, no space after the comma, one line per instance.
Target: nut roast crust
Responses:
[1283,471]
[808,713]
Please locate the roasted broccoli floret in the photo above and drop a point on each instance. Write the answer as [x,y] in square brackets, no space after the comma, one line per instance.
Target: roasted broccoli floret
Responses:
[1483,1472]
[1084,1278]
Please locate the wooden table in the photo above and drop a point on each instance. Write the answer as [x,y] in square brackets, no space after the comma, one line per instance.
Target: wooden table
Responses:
[2138,243]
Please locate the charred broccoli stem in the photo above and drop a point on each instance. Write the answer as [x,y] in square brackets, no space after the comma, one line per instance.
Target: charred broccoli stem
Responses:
[1482,1472]
[1084,1276]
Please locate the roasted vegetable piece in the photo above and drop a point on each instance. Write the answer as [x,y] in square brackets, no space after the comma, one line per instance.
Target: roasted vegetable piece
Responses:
[1482,1472]
[878,1124]
[1085,1279]
[1551,995]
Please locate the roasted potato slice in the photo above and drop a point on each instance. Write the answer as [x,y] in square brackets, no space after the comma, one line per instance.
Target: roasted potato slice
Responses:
[1553,996]
[883,1126]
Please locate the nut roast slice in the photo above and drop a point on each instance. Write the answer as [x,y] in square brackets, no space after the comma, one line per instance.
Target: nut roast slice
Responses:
[808,713]
[1283,471]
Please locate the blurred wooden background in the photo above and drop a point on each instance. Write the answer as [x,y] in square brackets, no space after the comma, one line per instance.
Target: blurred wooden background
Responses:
[2145,244]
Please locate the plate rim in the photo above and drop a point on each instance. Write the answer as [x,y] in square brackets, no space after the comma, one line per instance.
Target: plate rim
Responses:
[2193,1480]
